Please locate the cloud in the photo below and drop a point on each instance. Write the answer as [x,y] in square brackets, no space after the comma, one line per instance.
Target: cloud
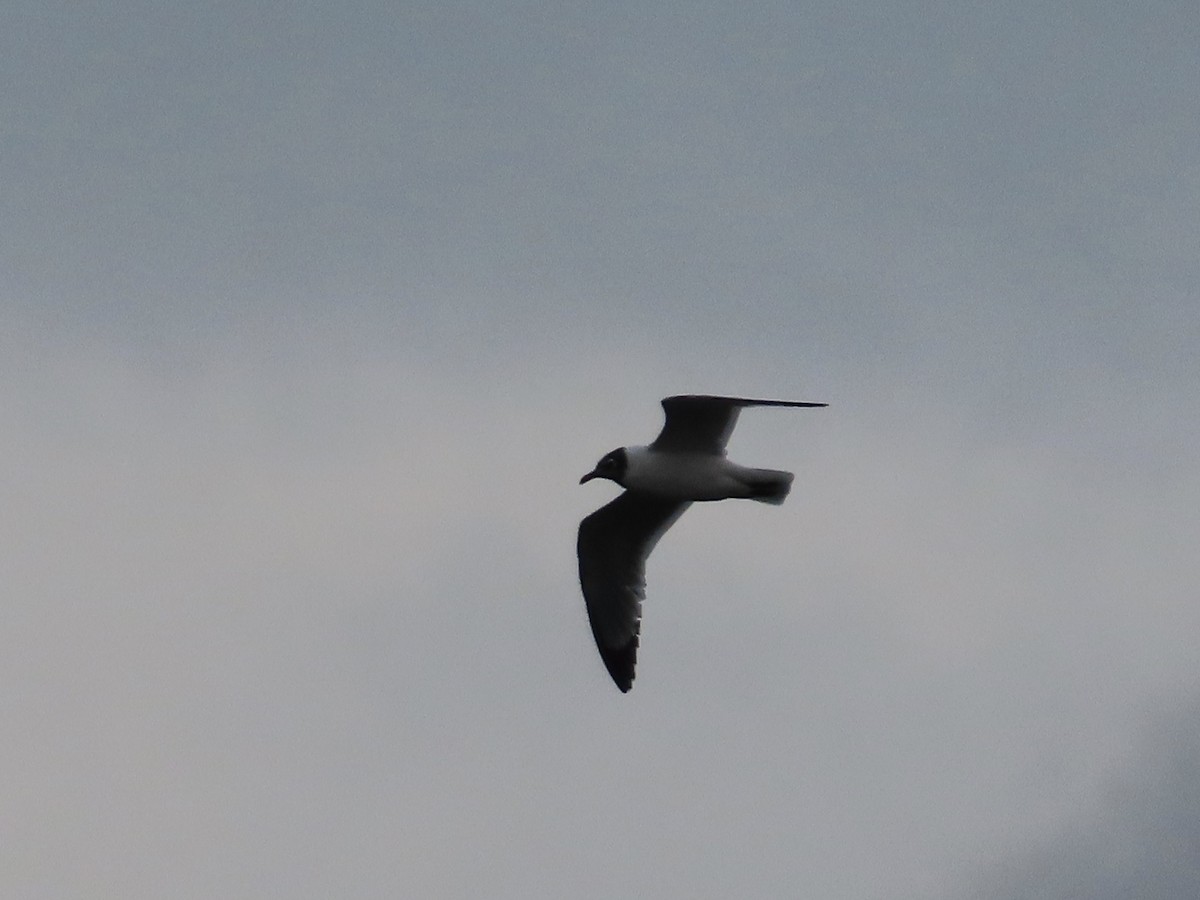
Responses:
[293,613]
[1139,838]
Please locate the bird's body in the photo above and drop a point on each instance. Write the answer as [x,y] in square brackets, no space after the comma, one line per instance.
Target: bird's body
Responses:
[683,475]
[686,463]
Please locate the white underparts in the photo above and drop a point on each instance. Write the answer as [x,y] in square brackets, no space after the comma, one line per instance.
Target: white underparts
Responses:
[701,476]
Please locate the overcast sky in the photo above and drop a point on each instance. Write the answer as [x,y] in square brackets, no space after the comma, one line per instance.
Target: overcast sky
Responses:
[312,316]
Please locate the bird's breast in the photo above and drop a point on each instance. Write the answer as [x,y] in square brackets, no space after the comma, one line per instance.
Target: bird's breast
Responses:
[683,476]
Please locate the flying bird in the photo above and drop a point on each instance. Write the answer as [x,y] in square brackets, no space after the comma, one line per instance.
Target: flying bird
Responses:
[684,464]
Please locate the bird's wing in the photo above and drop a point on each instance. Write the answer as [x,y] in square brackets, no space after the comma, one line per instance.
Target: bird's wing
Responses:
[614,542]
[699,424]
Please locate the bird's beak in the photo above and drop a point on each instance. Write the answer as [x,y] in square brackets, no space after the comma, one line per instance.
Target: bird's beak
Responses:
[588,477]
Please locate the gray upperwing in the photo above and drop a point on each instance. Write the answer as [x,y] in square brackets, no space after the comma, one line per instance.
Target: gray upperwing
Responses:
[698,423]
[613,544]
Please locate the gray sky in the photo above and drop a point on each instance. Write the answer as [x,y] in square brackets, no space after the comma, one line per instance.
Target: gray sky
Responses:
[312,315]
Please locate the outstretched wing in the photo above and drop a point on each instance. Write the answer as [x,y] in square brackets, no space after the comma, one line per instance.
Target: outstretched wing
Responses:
[701,424]
[614,542]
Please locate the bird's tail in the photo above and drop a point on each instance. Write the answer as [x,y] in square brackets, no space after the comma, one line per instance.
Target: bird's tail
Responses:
[768,485]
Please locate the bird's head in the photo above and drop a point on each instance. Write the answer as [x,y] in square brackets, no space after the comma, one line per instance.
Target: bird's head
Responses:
[611,466]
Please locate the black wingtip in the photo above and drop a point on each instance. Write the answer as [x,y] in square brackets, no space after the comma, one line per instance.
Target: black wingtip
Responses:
[620,663]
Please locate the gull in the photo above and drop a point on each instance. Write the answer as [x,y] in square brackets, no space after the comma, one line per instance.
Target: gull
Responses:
[684,464]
